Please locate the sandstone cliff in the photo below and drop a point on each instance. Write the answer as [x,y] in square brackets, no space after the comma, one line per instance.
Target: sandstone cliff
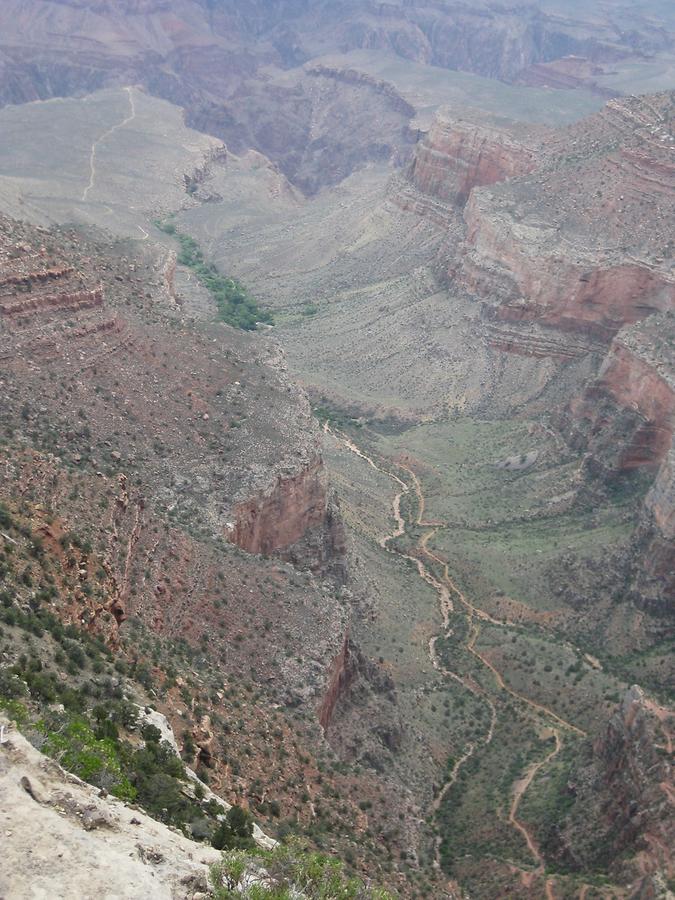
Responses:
[552,249]
[458,155]
[296,519]
[624,421]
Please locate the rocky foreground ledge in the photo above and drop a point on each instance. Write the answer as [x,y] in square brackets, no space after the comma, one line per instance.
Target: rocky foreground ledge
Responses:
[60,838]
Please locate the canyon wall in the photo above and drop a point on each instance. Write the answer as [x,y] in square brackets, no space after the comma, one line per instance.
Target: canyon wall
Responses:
[657,579]
[340,676]
[225,63]
[621,817]
[624,423]
[458,155]
[533,276]
[566,247]
[626,416]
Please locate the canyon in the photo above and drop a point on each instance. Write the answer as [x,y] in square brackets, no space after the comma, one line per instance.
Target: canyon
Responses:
[398,569]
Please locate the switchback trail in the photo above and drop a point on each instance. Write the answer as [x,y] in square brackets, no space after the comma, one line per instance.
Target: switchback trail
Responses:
[521,787]
[447,589]
[106,134]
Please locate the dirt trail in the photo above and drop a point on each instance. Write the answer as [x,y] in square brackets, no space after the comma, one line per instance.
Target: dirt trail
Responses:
[445,605]
[520,788]
[472,610]
[106,134]
[446,589]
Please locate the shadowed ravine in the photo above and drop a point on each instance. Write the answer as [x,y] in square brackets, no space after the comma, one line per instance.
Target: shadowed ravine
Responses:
[446,590]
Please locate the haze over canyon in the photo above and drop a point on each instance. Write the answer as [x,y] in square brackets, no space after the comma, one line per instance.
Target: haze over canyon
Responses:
[337,508]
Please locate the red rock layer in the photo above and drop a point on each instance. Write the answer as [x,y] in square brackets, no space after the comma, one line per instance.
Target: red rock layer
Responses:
[273,522]
[628,383]
[592,297]
[457,156]
[36,303]
[338,682]
[625,421]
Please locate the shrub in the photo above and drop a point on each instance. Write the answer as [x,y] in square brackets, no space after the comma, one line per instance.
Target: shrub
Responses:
[235,832]
[235,305]
[286,872]
[75,746]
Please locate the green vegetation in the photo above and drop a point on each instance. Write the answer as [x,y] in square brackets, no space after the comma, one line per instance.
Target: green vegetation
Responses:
[286,872]
[324,412]
[235,305]
[77,748]
[235,832]
[90,726]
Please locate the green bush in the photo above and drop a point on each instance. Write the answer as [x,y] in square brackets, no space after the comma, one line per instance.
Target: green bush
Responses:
[77,748]
[286,872]
[235,832]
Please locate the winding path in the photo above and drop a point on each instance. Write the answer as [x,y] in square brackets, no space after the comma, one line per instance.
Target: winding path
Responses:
[446,589]
[106,134]
[521,787]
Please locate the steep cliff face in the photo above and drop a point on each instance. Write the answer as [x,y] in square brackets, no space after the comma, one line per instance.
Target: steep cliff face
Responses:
[318,126]
[340,676]
[538,279]
[296,519]
[624,421]
[458,155]
[658,578]
[627,414]
[551,249]
[621,820]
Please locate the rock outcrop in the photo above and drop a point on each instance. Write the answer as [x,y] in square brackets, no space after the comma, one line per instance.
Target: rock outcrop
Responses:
[526,266]
[626,416]
[551,249]
[87,845]
[621,820]
[296,519]
[624,421]
[458,155]
[274,521]
[341,675]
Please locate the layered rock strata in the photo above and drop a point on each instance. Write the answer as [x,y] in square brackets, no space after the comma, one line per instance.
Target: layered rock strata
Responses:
[458,155]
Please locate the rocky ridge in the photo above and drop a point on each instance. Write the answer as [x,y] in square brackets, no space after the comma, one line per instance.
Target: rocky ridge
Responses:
[624,783]
[217,60]
[88,845]
[172,478]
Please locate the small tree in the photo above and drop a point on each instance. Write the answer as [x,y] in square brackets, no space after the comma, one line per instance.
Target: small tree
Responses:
[235,832]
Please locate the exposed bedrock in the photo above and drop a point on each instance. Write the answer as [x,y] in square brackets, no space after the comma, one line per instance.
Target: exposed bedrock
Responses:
[342,673]
[297,519]
[657,580]
[621,817]
[624,420]
[625,417]
[458,155]
[536,276]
